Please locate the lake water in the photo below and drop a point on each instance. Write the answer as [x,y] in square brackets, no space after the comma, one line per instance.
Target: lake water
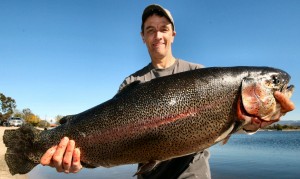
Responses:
[266,154]
[271,154]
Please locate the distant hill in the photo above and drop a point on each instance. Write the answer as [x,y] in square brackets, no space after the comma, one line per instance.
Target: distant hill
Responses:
[289,122]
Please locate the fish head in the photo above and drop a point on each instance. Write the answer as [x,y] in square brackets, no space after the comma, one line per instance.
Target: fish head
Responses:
[257,104]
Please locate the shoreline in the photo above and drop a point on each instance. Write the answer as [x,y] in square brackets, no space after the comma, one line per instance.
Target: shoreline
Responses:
[4,171]
[283,130]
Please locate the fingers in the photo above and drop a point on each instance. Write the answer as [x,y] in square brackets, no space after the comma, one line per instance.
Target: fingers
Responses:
[59,154]
[76,165]
[47,157]
[67,160]
[64,157]
[286,104]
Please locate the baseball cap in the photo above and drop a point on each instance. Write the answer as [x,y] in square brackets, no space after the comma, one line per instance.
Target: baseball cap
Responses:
[155,7]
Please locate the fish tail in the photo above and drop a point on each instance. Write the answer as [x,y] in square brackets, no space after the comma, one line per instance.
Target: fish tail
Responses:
[20,148]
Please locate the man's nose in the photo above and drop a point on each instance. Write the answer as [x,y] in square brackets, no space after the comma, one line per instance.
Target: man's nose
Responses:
[158,34]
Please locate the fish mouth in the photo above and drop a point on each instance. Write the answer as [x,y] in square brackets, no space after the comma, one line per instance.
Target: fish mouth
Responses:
[287,89]
[291,87]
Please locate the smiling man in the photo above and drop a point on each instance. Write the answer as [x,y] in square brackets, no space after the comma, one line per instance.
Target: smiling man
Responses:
[158,33]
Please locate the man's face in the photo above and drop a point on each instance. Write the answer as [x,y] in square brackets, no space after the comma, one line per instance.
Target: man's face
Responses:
[158,36]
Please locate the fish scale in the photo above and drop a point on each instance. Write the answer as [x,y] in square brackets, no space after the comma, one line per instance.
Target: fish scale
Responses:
[154,121]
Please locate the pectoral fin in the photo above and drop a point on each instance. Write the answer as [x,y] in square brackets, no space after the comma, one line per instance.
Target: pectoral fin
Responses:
[147,167]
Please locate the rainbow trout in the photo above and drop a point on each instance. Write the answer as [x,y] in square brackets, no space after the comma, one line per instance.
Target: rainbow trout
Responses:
[158,120]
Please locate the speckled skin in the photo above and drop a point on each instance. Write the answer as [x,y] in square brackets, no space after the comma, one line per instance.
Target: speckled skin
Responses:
[165,118]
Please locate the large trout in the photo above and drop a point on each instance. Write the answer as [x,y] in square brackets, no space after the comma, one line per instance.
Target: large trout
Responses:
[161,119]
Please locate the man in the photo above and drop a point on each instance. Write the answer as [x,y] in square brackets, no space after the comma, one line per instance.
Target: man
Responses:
[158,32]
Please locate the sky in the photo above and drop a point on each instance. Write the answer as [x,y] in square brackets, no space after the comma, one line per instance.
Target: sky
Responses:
[62,57]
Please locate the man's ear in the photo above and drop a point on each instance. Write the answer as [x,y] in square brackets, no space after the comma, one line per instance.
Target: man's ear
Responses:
[174,34]
[142,35]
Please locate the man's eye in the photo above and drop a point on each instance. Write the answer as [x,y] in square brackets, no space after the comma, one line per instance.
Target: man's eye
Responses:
[165,30]
[150,31]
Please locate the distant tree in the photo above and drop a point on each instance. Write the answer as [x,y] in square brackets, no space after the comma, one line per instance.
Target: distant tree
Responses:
[29,117]
[18,113]
[43,124]
[26,113]
[33,119]
[57,118]
[8,105]
[279,127]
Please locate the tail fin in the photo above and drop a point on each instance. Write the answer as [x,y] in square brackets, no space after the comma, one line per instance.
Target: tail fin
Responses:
[20,147]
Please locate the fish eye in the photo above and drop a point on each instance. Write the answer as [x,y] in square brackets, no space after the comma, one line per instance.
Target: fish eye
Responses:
[275,80]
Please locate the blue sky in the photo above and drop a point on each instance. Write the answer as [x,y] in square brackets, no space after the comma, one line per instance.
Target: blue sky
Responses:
[61,57]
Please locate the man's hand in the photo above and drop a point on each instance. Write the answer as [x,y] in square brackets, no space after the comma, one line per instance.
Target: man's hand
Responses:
[286,105]
[64,157]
